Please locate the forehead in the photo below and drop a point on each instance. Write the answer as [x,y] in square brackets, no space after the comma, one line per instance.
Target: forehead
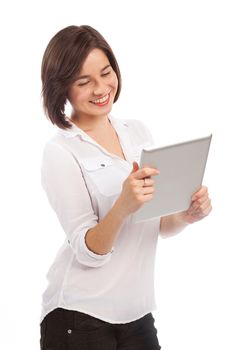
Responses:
[96,59]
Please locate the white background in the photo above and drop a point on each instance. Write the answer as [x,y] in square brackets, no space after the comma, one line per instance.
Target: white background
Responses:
[186,72]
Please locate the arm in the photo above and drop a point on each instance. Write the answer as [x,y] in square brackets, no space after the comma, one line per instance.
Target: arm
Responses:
[69,197]
[199,208]
[90,240]
[100,238]
[171,225]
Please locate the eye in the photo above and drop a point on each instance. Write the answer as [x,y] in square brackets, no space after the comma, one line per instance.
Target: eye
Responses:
[82,84]
[106,73]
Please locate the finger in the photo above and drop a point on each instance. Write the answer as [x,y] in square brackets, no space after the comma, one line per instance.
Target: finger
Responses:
[135,167]
[206,204]
[202,191]
[148,181]
[146,172]
[200,201]
[147,190]
[208,210]
[202,211]
[147,197]
[198,207]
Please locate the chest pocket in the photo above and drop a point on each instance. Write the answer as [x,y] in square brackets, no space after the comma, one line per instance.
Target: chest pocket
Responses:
[106,177]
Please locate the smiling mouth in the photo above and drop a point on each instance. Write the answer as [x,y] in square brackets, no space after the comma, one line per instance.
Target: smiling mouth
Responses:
[102,101]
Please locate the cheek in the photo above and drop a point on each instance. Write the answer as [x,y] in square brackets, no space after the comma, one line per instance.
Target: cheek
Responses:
[114,81]
[78,96]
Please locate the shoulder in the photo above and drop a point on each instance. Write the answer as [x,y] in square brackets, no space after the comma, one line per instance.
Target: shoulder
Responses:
[139,130]
[59,140]
[56,149]
[135,125]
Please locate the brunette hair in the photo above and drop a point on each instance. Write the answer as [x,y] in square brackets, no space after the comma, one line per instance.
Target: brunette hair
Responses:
[61,63]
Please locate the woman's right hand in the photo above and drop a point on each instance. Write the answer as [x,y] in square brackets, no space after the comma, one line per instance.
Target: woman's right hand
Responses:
[137,189]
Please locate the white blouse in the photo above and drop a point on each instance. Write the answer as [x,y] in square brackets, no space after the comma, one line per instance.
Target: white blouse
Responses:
[82,181]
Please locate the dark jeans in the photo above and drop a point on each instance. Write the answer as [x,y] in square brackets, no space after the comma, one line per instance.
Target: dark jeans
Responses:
[72,330]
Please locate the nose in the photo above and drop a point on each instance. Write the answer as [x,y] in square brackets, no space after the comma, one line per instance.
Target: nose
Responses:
[99,88]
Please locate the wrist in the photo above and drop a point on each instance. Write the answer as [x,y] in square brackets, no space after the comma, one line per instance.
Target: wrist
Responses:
[180,219]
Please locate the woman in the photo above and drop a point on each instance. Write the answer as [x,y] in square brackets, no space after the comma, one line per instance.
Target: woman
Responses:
[101,285]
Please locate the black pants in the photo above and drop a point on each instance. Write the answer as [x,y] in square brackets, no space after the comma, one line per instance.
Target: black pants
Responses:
[72,330]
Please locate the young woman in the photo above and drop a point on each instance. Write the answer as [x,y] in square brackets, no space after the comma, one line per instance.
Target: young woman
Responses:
[100,293]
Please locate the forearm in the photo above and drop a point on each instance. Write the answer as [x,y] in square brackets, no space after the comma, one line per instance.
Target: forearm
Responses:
[100,238]
[172,224]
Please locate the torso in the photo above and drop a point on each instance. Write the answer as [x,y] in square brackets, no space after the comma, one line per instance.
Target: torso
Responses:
[109,141]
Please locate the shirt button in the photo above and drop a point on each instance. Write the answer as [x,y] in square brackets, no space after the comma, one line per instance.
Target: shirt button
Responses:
[69,331]
[102,164]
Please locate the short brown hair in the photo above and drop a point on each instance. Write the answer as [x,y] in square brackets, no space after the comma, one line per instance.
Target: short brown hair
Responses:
[62,61]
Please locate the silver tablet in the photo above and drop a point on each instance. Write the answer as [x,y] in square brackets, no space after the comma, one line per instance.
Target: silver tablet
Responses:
[181,168]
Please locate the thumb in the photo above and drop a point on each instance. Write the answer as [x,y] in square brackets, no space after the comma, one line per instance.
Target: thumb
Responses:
[135,167]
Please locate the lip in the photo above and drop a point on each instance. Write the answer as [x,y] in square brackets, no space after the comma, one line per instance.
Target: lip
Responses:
[103,103]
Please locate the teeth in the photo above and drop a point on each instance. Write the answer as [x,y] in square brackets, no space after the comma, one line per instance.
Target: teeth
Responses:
[101,100]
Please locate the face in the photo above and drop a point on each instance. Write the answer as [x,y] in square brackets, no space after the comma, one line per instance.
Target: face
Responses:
[93,92]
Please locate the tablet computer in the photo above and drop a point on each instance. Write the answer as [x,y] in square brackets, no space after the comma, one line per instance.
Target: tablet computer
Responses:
[182,167]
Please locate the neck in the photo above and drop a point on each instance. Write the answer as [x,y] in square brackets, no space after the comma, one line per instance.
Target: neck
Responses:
[90,123]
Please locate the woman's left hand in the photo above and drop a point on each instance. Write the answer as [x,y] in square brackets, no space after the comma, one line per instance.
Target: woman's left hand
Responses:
[199,208]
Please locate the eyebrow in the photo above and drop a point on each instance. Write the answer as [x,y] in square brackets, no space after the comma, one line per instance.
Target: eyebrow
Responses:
[87,76]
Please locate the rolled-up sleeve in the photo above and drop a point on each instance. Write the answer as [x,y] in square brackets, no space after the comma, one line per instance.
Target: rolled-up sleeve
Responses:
[64,184]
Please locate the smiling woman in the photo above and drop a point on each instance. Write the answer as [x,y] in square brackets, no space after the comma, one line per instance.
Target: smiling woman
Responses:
[94,186]
[92,95]
[101,285]
[62,69]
